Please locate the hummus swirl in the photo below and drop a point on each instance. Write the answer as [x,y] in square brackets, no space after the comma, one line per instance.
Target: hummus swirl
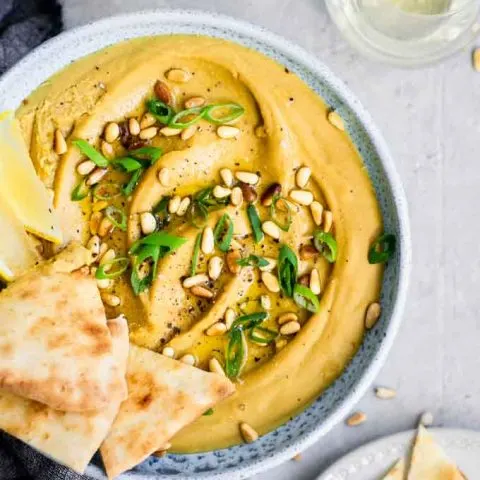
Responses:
[113,85]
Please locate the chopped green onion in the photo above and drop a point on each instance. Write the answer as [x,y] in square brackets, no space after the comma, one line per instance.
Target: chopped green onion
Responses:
[168,243]
[162,112]
[223,232]
[326,245]
[197,113]
[382,248]
[80,192]
[253,261]
[249,321]
[151,154]
[197,214]
[236,353]
[127,164]
[255,223]
[162,205]
[305,298]
[132,183]
[196,252]
[233,112]
[262,335]
[287,269]
[283,206]
[101,191]
[112,211]
[102,274]
[94,155]
[208,412]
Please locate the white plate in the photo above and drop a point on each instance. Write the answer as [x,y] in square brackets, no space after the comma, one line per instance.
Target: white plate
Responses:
[373,460]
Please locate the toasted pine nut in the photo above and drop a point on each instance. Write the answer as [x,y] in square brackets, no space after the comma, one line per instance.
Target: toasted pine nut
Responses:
[183,207]
[107,257]
[193,102]
[303,176]
[249,192]
[99,206]
[168,352]
[249,435]
[226,132]
[104,283]
[111,132]
[273,190]
[164,177]
[163,93]
[105,227]
[174,203]
[385,393]
[147,121]
[327,220]
[372,314]
[265,302]
[96,176]
[229,317]
[316,208]
[236,197]
[231,259]
[272,263]
[134,127]
[216,367]
[247,177]
[290,328]
[287,317]
[216,329]
[148,223]
[59,143]
[208,244]
[215,266]
[307,252]
[201,292]
[190,282]
[170,132]
[227,176]
[189,359]
[85,167]
[177,75]
[356,419]
[103,249]
[94,245]
[302,197]
[107,149]
[148,133]
[271,229]
[271,282]
[111,300]
[189,132]
[94,223]
[315,282]
[336,120]
[221,192]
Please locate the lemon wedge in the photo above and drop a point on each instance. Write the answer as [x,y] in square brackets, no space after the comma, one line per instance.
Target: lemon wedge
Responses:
[20,188]
[16,251]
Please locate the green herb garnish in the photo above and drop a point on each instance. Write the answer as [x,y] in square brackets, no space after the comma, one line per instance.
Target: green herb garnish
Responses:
[246,322]
[203,202]
[121,264]
[196,113]
[382,248]
[132,182]
[208,412]
[253,261]
[287,269]
[80,192]
[117,216]
[255,223]
[236,353]
[281,212]
[149,154]
[305,298]
[107,191]
[196,252]
[127,164]
[222,113]
[223,232]
[262,335]
[326,245]
[161,111]
[91,152]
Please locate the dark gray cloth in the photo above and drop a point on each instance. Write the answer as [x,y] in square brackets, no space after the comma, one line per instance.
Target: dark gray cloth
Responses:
[24,24]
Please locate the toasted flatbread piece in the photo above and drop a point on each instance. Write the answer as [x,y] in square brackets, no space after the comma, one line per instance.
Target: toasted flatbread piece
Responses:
[429,461]
[67,437]
[164,395]
[397,472]
[55,346]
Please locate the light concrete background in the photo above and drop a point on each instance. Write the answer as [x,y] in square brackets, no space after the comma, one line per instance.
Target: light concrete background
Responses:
[431,120]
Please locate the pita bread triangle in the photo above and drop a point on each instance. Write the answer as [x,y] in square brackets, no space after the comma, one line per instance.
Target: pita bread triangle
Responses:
[397,472]
[164,395]
[55,346]
[69,438]
[429,461]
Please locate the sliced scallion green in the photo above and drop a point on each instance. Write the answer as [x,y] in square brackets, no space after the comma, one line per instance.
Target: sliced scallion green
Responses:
[127,164]
[326,245]
[196,252]
[287,269]
[249,321]
[253,261]
[150,154]
[161,111]
[255,223]
[168,243]
[236,353]
[196,113]
[120,265]
[262,335]
[221,113]
[208,412]
[107,191]
[80,192]
[223,232]
[305,298]
[281,212]
[117,216]
[382,248]
[132,182]
[91,152]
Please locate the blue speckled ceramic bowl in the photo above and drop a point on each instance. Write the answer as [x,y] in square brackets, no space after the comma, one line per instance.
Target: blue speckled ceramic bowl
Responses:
[282,444]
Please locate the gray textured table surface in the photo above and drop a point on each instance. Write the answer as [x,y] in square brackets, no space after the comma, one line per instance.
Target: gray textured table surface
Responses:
[431,120]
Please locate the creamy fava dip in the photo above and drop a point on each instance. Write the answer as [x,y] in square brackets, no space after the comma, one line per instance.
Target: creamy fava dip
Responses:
[279,134]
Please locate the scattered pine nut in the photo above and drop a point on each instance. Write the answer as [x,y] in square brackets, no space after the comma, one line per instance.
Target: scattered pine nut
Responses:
[85,167]
[148,133]
[250,178]
[229,317]
[236,196]
[315,282]
[174,204]
[231,260]
[221,192]
[385,393]
[170,132]
[134,127]
[183,207]
[216,329]
[94,245]
[164,177]
[302,197]
[111,132]
[178,75]
[372,315]
[96,176]
[356,419]
[266,302]
[308,252]
[103,283]
[249,435]
[94,222]
[189,132]
[189,359]
[193,102]
[272,263]
[107,257]
[215,266]
[287,317]
[59,143]
[316,209]
[327,220]
[226,132]
[336,120]
[107,149]
[105,227]
[148,223]
[216,367]
[271,282]
[168,352]
[227,176]
[208,244]
[190,282]
[202,292]
[271,229]
[111,300]
[147,121]
[290,328]
[303,176]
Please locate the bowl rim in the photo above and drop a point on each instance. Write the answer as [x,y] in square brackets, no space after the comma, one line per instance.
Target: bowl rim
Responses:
[290,49]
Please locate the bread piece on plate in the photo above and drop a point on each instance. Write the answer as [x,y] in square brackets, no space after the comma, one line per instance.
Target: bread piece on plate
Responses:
[69,438]
[55,346]
[429,461]
[397,472]
[164,395]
